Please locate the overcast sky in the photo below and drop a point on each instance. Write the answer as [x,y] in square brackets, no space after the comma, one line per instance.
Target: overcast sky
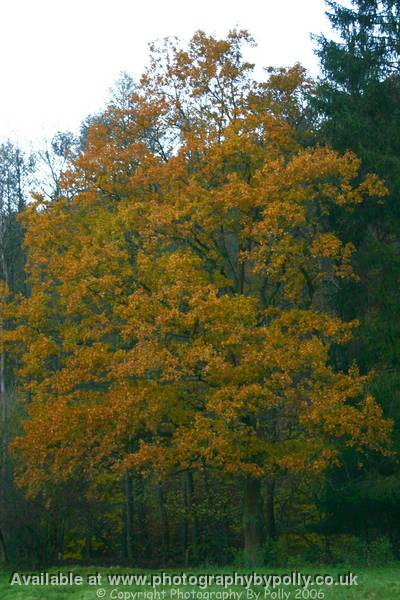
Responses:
[60,57]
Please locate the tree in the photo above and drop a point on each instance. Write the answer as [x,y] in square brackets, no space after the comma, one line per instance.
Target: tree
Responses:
[15,171]
[180,316]
[52,161]
[358,104]
[358,92]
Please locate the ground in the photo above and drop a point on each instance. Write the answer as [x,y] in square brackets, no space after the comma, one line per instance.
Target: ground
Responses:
[373,584]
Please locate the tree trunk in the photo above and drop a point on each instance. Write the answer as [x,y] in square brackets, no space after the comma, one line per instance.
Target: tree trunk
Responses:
[194,525]
[128,517]
[271,525]
[3,550]
[208,531]
[144,544]
[4,427]
[163,522]
[3,457]
[88,550]
[253,522]
[185,522]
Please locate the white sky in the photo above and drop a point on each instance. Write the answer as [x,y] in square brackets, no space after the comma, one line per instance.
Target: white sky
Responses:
[59,58]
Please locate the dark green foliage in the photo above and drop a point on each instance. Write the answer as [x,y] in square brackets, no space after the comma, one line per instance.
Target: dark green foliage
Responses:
[358,105]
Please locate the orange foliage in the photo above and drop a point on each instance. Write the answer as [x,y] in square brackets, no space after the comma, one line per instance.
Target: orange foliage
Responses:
[180,312]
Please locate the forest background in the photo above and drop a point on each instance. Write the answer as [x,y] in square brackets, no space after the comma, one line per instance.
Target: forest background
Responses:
[199,313]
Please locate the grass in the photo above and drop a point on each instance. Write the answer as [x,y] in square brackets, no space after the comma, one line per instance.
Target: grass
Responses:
[373,584]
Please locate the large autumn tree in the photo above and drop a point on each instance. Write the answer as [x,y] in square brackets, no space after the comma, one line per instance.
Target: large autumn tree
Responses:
[181,314]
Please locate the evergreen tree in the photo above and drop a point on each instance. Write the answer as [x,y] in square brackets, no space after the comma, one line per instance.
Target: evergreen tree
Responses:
[358,104]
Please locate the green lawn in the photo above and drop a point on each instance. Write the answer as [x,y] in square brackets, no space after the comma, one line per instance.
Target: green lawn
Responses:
[373,584]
